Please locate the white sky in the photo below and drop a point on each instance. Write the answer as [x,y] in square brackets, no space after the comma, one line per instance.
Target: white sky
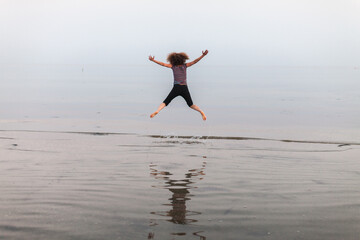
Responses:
[236,32]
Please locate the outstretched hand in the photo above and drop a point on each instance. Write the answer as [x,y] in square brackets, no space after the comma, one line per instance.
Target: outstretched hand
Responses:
[151,58]
[205,52]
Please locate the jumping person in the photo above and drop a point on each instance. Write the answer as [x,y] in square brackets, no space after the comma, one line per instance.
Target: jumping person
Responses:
[178,65]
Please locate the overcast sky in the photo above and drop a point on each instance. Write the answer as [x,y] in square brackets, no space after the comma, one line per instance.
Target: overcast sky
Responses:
[236,32]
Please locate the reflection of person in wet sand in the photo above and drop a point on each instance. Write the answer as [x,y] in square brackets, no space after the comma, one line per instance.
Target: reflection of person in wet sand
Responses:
[180,194]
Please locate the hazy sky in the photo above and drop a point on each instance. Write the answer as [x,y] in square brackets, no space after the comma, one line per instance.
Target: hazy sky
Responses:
[238,32]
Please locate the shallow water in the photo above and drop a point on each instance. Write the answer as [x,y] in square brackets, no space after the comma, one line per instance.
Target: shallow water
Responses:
[92,186]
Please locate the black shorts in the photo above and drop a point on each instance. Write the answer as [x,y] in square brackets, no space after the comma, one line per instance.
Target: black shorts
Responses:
[179,90]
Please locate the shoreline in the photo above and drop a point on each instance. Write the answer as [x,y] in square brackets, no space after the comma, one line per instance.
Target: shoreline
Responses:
[340,144]
[199,130]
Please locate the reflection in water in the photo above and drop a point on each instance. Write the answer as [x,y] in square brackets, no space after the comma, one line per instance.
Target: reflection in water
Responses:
[180,194]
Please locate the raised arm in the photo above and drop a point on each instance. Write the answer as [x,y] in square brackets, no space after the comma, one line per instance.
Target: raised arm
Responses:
[198,59]
[152,58]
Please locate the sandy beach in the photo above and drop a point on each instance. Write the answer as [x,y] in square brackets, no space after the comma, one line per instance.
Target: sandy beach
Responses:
[92,185]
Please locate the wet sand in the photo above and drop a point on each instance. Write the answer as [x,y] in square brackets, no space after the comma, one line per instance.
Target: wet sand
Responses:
[93,185]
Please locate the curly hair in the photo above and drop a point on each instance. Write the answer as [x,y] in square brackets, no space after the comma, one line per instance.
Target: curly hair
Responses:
[177,59]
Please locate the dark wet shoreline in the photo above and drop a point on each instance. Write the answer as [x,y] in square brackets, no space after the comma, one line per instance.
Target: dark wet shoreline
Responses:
[169,137]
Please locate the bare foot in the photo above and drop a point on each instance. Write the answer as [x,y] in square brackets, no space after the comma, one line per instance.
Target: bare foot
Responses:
[203,116]
[153,115]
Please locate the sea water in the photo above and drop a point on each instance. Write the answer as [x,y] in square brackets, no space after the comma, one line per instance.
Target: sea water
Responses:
[325,97]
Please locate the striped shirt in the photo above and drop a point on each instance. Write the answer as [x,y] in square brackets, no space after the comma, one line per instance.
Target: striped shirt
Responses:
[179,74]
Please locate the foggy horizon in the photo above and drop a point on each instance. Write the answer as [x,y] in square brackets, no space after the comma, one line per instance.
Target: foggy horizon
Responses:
[236,33]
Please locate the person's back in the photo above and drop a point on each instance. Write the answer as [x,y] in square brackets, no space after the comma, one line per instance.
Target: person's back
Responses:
[178,65]
[179,74]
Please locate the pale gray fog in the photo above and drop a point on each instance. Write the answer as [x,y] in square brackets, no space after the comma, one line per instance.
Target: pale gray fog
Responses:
[248,32]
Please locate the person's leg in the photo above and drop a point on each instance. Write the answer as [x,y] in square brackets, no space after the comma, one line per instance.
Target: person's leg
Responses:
[186,95]
[173,93]
[162,105]
[196,108]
